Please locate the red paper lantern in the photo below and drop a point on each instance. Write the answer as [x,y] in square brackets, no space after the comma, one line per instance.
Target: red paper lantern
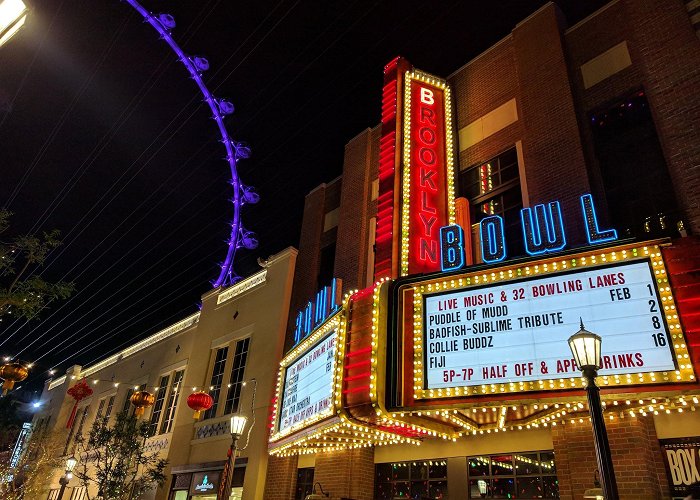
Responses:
[199,402]
[79,391]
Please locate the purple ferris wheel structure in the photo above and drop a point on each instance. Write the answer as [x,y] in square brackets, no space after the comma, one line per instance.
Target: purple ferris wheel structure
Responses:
[197,65]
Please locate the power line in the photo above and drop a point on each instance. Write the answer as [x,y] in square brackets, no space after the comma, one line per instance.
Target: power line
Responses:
[57,127]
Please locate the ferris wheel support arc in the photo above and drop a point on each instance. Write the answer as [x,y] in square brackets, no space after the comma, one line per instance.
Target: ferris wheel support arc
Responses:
[163,23]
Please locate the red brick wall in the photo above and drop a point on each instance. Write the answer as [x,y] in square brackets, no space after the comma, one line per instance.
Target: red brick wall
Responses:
[668,53]
[347,474]
[281,478]
[480,87]
[317,203]
[552,150]
[530,66]
[636,456]
[360,169]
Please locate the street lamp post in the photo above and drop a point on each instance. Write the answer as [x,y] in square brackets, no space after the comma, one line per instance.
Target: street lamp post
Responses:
[65,478]
[13,14]
[237,425]
[585,347]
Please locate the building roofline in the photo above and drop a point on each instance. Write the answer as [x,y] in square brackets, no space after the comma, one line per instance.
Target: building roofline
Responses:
[591,16]
[325,185]
[165,333]
[492,47]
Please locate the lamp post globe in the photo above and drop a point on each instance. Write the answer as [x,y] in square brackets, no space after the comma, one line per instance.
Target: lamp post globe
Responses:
[13,14]
[586,349]
[71,462]
[238,424]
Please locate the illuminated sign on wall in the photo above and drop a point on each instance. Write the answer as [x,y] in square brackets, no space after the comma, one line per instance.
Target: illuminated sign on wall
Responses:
[428,186]
[543,233]
[325,304]
[518,331]
[205,483]
[308,384]
[682,460]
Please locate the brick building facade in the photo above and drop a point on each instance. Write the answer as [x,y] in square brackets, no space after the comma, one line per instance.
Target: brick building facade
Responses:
[552,112]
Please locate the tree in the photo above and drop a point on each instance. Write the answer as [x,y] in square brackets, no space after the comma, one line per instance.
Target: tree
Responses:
[22,293]
[33,472]
[114,459]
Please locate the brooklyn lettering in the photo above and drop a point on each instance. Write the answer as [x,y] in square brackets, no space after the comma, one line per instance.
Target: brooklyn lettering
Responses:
[427,163]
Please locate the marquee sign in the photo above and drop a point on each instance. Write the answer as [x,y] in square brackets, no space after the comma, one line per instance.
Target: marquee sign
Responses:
[308,384]
[306,381]
[518,332]
[505,330]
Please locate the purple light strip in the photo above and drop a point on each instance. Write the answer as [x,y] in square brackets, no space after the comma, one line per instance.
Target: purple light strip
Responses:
[227,275]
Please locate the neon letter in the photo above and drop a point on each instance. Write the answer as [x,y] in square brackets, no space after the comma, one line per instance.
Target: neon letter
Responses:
[451,247]
[426,96]
[299,327]
[546,232]
[493,239]
[593,232]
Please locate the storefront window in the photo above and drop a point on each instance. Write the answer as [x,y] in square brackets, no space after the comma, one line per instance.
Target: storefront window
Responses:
[517,475]
[305,481]
[417,480]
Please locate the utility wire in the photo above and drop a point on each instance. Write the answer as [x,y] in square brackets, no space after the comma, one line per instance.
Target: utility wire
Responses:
[105,285]
[117,125]
[124,255]
[139,316]
[57,127]
[31,64]
[249,53]
[55,349]
[133,291]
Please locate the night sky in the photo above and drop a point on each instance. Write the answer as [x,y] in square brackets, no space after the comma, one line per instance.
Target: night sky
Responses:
[104,136]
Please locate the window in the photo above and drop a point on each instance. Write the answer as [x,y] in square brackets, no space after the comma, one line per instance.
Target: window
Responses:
[493,188]
[110,406]
[517,475]
[158,405]
[638,188]
[100,407]
[417,479]
[217,376]
[79,429]
[173,397]
[53,494]
[305,482]
[127,400]
[233,397]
